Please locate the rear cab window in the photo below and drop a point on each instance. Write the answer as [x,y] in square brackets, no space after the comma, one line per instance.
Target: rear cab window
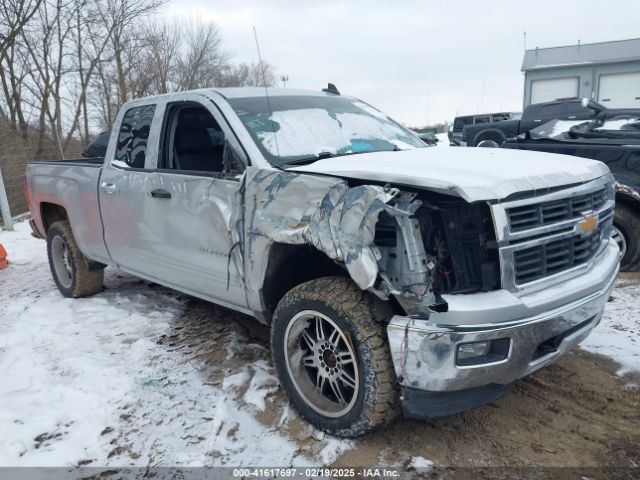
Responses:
[131,147]
[482,119]
[460,122]
[552,110]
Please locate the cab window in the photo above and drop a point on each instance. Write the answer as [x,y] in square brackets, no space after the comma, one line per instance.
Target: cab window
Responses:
[195,142]
[131,148]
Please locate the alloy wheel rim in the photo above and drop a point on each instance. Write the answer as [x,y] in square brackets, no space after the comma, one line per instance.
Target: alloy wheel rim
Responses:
[618,237]
[321,363]
[62,261]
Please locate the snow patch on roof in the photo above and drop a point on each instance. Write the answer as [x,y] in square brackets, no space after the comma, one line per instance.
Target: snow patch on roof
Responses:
[314,130]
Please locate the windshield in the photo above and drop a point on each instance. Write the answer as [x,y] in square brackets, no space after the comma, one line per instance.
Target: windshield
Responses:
[304,128]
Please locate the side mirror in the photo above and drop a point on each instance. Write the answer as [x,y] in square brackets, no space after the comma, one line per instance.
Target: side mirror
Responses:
[232,163]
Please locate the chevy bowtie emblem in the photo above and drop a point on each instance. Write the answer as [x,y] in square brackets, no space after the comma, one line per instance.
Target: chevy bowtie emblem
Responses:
[587,225]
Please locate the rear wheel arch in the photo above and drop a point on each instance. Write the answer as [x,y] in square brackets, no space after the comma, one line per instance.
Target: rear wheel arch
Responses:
[493,135]
[51,213]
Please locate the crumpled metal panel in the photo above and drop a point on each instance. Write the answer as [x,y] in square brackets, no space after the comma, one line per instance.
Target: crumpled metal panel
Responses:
[290,208]
[627,190]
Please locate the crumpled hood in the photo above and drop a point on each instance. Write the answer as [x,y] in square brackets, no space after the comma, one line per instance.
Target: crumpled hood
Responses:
[471,173]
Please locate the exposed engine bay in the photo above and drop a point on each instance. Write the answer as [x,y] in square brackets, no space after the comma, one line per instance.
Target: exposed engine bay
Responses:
[428,245]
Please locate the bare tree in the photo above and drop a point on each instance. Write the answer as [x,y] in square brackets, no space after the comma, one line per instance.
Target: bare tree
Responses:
[14,15]
[248,75]
[202,61]
[66,66]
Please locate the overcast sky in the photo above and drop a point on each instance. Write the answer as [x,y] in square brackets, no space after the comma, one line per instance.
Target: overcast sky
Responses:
[421,62]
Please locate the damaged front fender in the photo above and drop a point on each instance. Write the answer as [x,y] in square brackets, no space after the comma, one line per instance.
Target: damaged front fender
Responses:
[324,212]
[291,208]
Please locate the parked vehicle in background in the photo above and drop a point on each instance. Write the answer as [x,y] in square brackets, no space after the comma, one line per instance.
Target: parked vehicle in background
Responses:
[391,274]
[615,142]
[428,138]
[98,147]
[459,123]
[574,109]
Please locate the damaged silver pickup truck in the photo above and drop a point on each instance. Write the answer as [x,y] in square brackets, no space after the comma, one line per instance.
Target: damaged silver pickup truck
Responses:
[393,276]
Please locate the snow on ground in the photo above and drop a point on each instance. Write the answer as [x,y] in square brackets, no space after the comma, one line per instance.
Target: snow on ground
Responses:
[140,375]
[421,463]
[618,335]
[96,381]
[443,139]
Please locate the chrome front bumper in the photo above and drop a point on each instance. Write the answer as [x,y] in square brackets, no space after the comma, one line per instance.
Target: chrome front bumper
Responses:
[424,351]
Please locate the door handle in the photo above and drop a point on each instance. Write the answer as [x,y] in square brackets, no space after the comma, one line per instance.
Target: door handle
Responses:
[571,117]
[159,193]
[109,188]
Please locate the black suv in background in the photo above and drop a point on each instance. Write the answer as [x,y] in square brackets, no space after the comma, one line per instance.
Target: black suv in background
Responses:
[455,130]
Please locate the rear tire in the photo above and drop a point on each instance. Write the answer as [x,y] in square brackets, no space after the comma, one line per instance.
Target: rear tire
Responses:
[627,224]
[69,267]
[339,376]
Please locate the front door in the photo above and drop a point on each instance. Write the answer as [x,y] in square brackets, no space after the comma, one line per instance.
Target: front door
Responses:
[180,207]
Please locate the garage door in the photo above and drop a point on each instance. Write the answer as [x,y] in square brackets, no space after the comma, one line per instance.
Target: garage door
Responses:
[620,90]
[546,90]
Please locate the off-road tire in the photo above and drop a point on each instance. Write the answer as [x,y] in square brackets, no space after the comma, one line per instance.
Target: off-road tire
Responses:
[84,282]
[363,316]
[628,222]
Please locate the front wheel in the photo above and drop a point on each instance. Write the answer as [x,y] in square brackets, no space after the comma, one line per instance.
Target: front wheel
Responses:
[331,353]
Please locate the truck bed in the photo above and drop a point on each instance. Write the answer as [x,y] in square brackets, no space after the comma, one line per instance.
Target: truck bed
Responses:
[72,185]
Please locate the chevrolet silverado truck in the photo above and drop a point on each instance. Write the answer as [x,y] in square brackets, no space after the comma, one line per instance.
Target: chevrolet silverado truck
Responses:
[394,277]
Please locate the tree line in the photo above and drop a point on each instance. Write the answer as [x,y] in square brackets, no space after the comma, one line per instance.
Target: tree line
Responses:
[66,66]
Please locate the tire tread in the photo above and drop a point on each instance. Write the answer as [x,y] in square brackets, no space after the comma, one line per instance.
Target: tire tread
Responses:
[367,313]
[86,282]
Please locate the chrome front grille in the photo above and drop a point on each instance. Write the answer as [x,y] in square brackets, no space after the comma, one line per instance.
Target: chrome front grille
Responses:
[537,262]
[554,235]
[540,214]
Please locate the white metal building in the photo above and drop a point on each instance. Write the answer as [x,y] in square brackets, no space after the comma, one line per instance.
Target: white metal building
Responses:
[607,72]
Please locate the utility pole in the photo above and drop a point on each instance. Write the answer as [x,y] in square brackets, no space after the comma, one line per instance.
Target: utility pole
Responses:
[4,206]
[284,79]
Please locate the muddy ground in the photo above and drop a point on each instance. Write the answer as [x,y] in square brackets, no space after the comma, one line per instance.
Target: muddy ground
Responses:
[576,413]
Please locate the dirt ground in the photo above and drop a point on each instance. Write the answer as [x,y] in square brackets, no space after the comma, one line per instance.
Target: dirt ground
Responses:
[575,413]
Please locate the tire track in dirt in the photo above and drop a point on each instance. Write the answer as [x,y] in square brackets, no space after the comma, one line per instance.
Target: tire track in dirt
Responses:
[575,413]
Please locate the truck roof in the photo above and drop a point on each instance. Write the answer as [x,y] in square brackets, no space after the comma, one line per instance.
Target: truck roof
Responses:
[245,92]
[238,92]
[235,92]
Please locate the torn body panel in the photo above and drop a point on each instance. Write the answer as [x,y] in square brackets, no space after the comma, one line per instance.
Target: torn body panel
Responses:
[627,191]
[340,221]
